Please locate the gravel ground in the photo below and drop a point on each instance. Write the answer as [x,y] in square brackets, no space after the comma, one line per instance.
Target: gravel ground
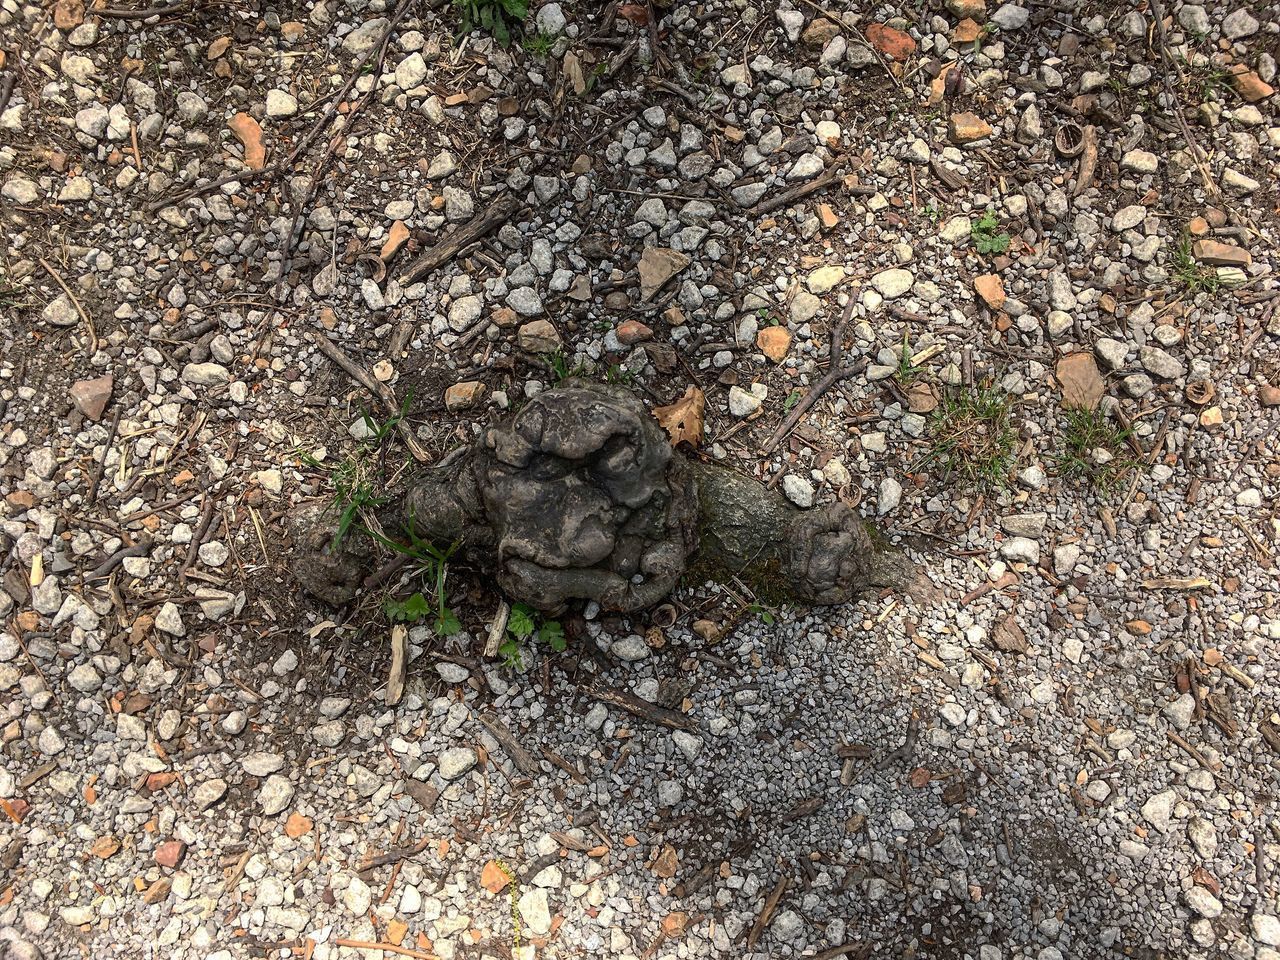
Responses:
[1065,745]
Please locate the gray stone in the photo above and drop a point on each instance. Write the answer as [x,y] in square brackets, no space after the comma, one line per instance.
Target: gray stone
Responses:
[275,794]
[798,490]
[1010,16]
[208,793]
[456,761]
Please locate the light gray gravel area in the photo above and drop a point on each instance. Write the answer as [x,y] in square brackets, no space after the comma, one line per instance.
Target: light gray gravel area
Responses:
[1062,741]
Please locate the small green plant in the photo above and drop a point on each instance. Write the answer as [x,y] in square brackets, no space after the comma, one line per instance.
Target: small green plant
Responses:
[523,624]
[431,566]
[539,44]
[932,213]
[353,492]
[764,613]
[907,371]
[595,75]
[560,368]
[357,481]
[513,892]
[792,399]
[617,373]
[1086,433]
[987,236]
[973,436]
[1194,277]
[501,19]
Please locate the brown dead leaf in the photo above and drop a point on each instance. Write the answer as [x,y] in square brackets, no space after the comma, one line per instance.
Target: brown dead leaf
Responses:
[68,14]
[634,13]
[1204,878]
[218,48]
[15,810]
[493,878]
[683,420]
[921,398]
[248,132]
[920,777]
[1082,384]
[573,73]
[1008,636]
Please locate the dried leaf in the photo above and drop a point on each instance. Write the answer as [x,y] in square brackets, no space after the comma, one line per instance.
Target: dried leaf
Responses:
[1082,384]
[920,777]
[249,133]
[573,73]
[218,48]
[635,13]
[921,398]
[683,420]
[1008,636]
[1204,878]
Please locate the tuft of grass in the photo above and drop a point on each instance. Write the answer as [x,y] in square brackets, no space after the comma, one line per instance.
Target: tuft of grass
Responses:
[1088,431]
[973,436]
[539,44]
[1194,277]
[430,565]
[987,236]
[560,370]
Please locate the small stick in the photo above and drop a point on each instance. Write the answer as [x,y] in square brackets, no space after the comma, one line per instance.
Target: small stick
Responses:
[106,452]
[104,569]
[93,336]
[521,757]
[498,629]
[835,374]
[770,905]
[908,745]
[498,213]
[385,947]
[113,13]
[1157,8]
[197,538]
[133,136]
[642,708]
[856,950]
[802,191]
[379,390]
[395,856]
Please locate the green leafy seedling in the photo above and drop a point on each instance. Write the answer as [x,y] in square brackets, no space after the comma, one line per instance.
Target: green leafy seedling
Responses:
[987,236]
